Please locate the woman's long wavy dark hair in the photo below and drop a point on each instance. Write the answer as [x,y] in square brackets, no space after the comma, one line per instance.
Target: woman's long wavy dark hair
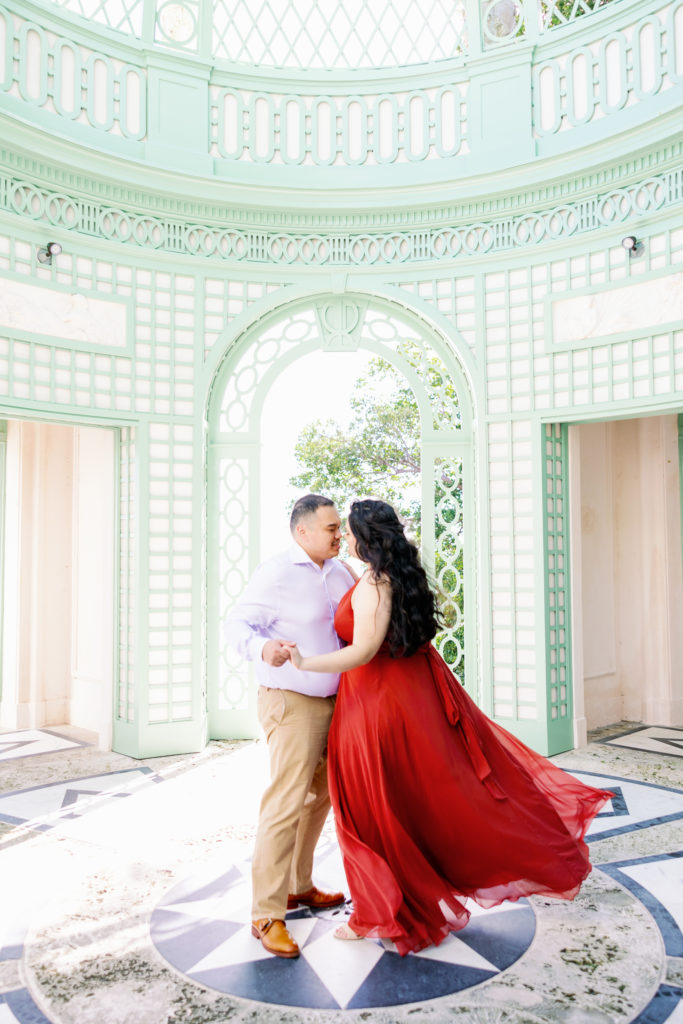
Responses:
[383,545]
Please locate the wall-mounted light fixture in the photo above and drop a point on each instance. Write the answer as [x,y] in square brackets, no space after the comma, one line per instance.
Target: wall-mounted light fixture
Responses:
[632,245]
[51,249]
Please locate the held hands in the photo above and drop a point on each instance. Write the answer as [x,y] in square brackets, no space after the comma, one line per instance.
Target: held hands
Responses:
[277,652]
[294,654]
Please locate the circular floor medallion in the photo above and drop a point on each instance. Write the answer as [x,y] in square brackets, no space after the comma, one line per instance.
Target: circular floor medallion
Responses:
[202,927]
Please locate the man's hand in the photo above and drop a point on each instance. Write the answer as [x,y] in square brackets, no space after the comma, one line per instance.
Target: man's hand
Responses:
[275,653]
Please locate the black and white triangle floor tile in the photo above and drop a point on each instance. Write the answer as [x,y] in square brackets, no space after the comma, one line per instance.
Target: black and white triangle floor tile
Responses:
[43,807]
[654,739]
[636,805]
[202,927]
[27,742]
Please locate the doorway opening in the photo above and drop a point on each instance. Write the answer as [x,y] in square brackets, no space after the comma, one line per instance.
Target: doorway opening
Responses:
[59,556]
[626,570]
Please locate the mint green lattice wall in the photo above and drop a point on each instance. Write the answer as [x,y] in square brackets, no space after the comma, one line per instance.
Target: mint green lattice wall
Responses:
[142,382]
[172,696]
[533,373]
[625,373]
[527,377]
[556,532]
[514,671]
[125,700]
[148,387]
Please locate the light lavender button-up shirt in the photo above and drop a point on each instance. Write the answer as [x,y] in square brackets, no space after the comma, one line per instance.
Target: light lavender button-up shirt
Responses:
[289,597]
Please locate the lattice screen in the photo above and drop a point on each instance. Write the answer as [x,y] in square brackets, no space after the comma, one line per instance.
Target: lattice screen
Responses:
[510,460]
[526,372]
[449,572]
[338,35]
[226,298]
[165,343]
[233,511]
[556,529]
[453,297]
[128,588]
[171,463]
[121,15]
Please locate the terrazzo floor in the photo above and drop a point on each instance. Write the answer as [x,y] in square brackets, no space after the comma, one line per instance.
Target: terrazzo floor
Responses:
[124,899]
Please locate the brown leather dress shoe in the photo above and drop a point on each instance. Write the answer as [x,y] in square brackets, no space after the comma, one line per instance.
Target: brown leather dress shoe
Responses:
[316,899]
[274,937]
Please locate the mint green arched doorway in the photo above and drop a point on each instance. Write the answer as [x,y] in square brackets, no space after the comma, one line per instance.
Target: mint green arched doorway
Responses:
[252,363]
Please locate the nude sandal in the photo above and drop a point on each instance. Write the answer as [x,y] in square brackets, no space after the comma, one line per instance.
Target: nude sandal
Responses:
[346,933]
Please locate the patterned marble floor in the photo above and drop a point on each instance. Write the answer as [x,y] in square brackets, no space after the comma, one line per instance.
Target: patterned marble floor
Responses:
[125,898]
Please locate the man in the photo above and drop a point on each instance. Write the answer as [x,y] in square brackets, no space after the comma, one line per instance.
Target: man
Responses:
[292,596]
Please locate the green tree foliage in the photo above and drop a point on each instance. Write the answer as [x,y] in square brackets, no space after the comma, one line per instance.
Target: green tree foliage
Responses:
[559,12]
[378,455]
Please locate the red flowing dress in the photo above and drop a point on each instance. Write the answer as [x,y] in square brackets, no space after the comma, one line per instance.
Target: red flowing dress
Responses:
[433,802]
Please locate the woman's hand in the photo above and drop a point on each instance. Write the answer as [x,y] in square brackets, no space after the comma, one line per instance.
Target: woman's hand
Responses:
[294,653]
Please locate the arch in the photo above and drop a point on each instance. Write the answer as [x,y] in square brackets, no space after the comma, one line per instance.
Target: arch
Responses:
[445,337]
[334,322]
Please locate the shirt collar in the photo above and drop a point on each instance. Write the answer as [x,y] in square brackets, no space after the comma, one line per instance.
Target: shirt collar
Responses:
[299,557]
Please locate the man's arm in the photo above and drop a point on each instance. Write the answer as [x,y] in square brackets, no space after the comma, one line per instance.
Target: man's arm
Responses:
[247,625]
[371,603]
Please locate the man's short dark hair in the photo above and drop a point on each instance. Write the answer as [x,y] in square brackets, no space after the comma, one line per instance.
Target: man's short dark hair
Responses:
[305,506]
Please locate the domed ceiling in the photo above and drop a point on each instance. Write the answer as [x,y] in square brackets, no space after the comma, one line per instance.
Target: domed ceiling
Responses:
[323,35]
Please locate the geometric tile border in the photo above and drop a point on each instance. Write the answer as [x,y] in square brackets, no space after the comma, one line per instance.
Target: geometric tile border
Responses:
[43,807]
[17,1006]
[652,739]
[29,742]
[666,1006]
[638,805]
[657,881]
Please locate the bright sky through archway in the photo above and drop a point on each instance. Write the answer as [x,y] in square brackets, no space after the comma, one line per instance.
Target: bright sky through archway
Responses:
[320,386]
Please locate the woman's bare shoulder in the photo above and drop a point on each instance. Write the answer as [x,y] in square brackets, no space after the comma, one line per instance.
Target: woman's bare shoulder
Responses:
[369,584]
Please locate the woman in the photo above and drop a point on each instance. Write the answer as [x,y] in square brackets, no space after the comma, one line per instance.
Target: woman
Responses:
[433,802]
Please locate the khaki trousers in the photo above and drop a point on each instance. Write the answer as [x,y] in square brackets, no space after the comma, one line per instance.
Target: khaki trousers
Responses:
[296,803]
